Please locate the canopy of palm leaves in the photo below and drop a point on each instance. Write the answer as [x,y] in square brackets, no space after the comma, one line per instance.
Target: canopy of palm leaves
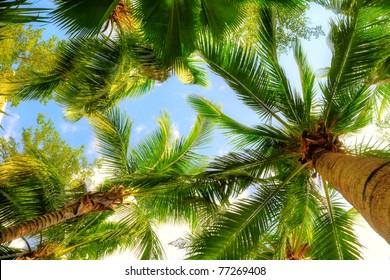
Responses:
[94,74]
[279,148]
[171,27]
[289,215]
[161,173]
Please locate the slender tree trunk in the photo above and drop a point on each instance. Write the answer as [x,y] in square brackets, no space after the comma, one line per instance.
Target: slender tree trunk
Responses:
[362,181]
[90,202]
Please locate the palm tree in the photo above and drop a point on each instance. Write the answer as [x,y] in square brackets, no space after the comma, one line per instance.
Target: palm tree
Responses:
[301,132]
[94,74]
[30,187]
[160,174]
[280,220]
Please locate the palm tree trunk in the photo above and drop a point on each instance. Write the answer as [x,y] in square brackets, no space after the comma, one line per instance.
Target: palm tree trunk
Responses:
[362,181]
[37,224]
[90,202]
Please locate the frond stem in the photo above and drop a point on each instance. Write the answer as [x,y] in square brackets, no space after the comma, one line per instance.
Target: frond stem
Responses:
[331,216]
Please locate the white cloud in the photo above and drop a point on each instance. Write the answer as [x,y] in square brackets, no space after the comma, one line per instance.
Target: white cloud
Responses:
[222,151]
[10,128]
[368,135]
[168,233]
[67,127]
[175,131]
[92,147]
[223,87]
[96,179]
[18,243]
[139,128]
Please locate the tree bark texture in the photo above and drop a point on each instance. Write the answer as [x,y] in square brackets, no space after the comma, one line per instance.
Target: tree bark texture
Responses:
[362,181]
[90,202]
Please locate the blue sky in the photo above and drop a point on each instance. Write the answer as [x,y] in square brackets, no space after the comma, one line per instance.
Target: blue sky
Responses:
[171,96]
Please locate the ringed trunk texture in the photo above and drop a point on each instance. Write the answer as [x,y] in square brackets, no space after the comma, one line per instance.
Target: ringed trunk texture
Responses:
[362,181]
[38,224]
[88,203]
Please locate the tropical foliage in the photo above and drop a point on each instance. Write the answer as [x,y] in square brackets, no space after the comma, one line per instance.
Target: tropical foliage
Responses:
[294,127]
[147,43]
[19,11]
[277,196]
[160,174]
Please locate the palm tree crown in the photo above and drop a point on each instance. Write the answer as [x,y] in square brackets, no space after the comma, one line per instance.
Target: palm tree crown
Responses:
[299,133]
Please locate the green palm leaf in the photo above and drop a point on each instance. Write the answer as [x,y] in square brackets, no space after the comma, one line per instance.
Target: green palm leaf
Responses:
[351,111]
[85,17]
[241,134]
[347,6]
[30,187]
[146,243]
[242,70]
[278,84]
[181,155]
[239,229]
[17,11]
[370,148]
[298,217]
[308,108]
[221,16]
[93,75]
[359,43]
[169,26]
[382,92]
[112,132]
[334,237]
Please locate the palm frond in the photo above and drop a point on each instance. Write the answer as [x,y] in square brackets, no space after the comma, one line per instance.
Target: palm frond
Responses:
[370,147]
[221,16]
[278,84]
[351,111]
[308,108]
[236,231]
[30,187]
[181,204]
[295,5]
[382,93]
[84,17]
[346,6]
[242,70]
[112,131]
[239,229]
[181,156]
[359,44]
[297,219]
[8,253]
[242,135]
[140,226]
[94,74]
[162,152]
[190,71]
[169,26]
[334,237]
[257,163]
[148,153]
[95,237]
[17,11]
